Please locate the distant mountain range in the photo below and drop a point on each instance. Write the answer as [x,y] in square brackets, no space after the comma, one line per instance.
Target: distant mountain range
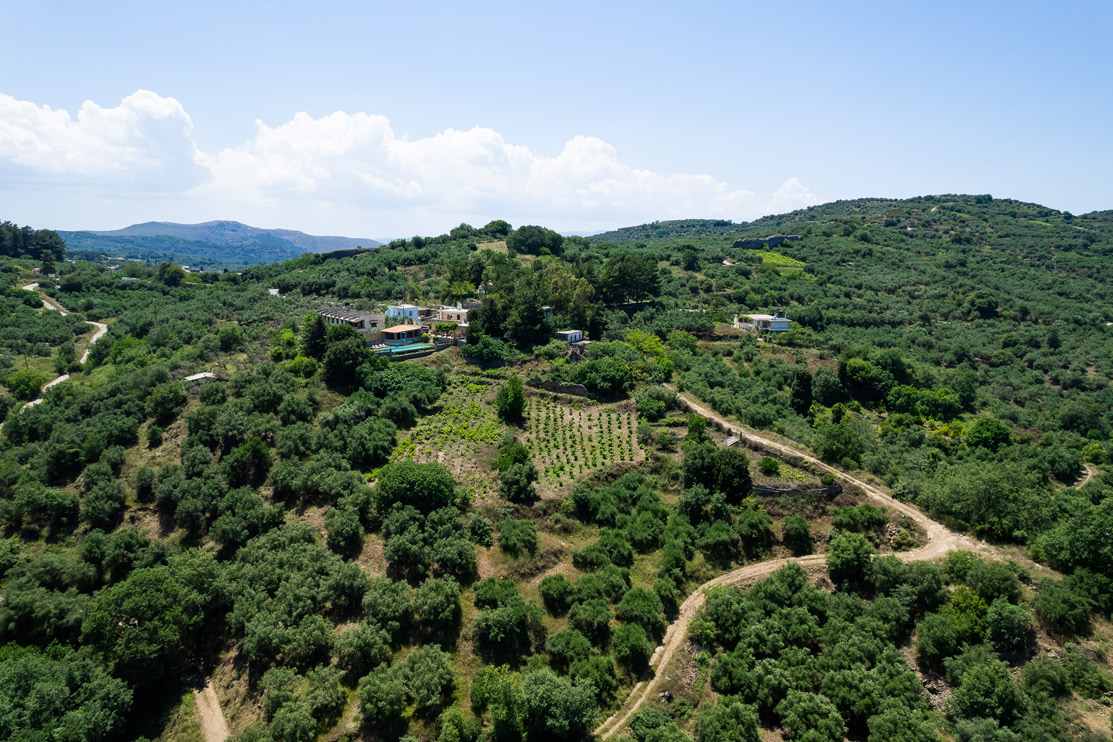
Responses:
[209,245]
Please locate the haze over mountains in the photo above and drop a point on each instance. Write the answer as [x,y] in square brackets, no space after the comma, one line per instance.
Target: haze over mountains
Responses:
[215,244]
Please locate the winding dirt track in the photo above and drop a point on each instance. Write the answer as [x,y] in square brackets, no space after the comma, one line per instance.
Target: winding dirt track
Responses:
[940,540]
[52,304]
[1089,474]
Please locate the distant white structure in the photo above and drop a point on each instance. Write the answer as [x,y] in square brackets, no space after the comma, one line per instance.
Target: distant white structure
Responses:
[569,336]
[776,322]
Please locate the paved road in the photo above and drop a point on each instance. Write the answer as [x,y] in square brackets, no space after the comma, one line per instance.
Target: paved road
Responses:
[940,540]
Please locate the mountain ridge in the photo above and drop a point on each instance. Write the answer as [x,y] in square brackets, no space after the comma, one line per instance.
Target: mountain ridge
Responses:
[219,243]
[224,231]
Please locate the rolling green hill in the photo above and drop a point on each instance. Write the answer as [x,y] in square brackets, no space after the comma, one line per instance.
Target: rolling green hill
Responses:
[489,542]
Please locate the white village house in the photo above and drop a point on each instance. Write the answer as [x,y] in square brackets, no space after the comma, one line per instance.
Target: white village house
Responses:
[404,313]
[776,322]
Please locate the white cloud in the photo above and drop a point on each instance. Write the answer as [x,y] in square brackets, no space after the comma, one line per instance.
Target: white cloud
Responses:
[355,165]
[790,196]
[144,143]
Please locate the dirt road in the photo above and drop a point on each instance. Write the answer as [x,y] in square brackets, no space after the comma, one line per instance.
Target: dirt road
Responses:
[940,540]
[97,335]
[213,725]
[101,329]
[1089,475]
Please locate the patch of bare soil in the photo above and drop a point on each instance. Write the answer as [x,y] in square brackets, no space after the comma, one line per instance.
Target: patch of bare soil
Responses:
[232,682]
[484,564]
[685,673]
[372,559]
[348,726]
[148,521]
[315,516]
[213,724]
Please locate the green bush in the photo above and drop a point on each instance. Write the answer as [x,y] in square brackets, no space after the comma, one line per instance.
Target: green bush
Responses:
[1009,626]
[987,692]
[797,535]
[1061,609]
[631,648]
[517,536]
[849,560]
[510,401]
[1086,678]
[25,385]
[425,487]
[516,482]
[556,593]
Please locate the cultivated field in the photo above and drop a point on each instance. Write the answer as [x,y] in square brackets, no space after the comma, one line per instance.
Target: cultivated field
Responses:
[569,440]
[463,435]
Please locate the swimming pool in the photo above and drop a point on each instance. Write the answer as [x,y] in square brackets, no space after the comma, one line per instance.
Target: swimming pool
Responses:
[407,348]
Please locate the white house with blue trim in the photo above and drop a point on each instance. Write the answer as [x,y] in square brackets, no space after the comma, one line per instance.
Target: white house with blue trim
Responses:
[404,313]
[776,322]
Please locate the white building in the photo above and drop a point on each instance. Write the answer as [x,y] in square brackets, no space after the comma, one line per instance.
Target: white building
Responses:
[569,336]
[776,322]
[456,314]
[404,313]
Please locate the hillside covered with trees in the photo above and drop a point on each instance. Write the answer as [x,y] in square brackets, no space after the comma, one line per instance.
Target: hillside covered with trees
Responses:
[229,492]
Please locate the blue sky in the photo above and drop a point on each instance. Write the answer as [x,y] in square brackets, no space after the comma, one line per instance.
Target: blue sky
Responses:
[381,120]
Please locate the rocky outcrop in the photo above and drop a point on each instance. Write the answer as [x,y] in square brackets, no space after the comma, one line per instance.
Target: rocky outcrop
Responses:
[756,243]
[576,390]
